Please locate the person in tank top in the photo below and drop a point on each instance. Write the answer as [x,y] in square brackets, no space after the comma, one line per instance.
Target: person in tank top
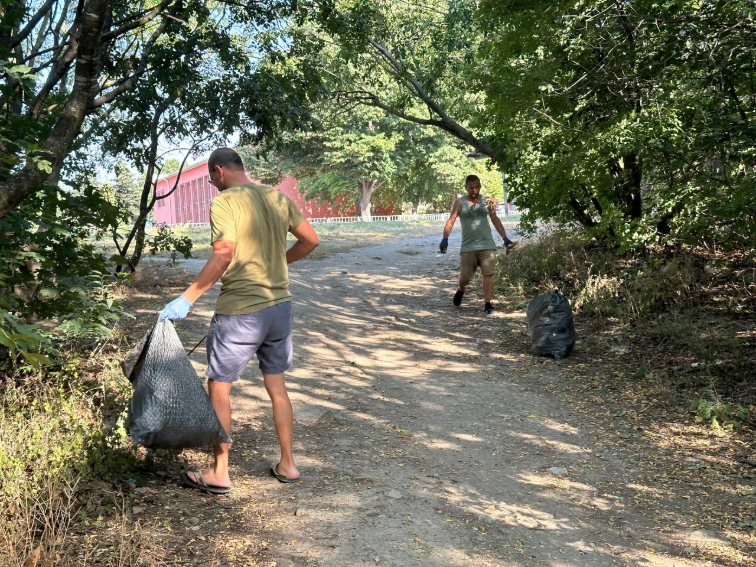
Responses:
[478,246]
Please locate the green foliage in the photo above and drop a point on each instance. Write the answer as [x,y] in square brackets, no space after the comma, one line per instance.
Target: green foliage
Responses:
[50,272]
[635,120]
[349,154]
[171,165]
[599,282]
[22,339]
[125,191]
[610,118]
[712,411]
[166,240]
[18,134]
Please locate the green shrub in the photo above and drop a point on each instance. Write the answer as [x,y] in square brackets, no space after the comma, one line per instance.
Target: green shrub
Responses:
[57,433]
[171,240]
[54,287]
[598,281]
[712,411]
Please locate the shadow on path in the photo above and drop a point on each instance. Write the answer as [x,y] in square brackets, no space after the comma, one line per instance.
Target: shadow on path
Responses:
[425,436]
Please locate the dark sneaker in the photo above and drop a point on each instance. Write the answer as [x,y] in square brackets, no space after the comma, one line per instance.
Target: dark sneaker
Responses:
[488,308]
[458,298]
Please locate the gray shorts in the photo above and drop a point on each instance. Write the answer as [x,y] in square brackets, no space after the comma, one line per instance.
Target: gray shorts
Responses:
[233,339]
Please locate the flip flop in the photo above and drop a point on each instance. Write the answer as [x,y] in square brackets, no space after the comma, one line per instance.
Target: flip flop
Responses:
[280,477]
[202,485]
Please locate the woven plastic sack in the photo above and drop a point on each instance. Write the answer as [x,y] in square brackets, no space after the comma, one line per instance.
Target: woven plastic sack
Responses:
[550,325]
[169,408]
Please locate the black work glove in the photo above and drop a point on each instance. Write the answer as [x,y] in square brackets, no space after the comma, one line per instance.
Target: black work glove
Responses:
[444,245]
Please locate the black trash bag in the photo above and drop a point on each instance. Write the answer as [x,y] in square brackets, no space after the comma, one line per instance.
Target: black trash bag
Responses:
[169,408]
[550,325]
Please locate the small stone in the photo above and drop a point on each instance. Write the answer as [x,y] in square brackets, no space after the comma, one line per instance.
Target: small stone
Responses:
[284,563]
[137,509]
[141,490]
[192,521]
[558,471]
[394,494]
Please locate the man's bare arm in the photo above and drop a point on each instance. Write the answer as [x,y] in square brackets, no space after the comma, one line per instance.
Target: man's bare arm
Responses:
[307,241]
[497,224]
[223,253]
[452,218]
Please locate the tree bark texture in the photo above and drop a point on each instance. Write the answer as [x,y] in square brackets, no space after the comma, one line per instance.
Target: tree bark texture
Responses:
[368,188]
[64,132]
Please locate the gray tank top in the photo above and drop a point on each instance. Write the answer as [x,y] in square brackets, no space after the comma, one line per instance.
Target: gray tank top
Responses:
[476,232]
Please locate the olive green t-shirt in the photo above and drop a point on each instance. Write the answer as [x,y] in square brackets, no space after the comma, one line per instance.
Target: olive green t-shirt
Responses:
[256,218]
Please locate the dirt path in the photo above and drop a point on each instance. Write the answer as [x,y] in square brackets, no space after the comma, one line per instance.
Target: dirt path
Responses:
[426,436]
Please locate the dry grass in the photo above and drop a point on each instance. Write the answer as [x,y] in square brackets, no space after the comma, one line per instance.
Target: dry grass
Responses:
[682,316]
[334,237]
[35,527]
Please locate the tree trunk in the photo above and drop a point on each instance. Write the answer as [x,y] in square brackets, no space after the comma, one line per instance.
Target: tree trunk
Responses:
[415,205]
[635,174]
[367,187]
[139,242]
[86,83]
[581,213]
[147,199]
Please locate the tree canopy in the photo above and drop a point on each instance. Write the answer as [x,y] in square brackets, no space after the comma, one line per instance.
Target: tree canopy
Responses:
[86,84]
[362,155]
[70,68]
[633,119]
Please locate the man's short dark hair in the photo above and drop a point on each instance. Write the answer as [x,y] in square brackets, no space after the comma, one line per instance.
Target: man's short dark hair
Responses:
[470,178]
[225,157]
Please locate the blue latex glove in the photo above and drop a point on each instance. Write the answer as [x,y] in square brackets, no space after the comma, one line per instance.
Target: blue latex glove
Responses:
[176,309]
[443,246]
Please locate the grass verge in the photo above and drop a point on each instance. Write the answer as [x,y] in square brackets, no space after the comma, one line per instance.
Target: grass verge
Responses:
[680,318]
[663,375]
[334,237]
[65,460]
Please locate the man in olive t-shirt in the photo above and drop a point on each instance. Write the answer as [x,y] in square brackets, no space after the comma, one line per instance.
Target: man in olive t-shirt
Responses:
[249,224]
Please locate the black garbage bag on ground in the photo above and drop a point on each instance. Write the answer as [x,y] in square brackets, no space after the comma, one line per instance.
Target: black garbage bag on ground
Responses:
[550,325]
[169,408]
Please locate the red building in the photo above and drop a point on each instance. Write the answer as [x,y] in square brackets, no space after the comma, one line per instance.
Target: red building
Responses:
[190,202]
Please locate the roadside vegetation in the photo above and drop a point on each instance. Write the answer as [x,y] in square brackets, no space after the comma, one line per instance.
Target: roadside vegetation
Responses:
[678,320]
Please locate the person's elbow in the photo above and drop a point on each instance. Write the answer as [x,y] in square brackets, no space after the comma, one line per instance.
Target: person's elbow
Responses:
[306,236]
[311,242]
[223,253]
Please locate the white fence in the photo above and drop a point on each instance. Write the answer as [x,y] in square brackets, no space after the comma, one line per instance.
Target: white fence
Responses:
[385,218]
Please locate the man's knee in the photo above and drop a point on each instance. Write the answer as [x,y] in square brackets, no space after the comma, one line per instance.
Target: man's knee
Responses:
[218,389]
[275,384]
